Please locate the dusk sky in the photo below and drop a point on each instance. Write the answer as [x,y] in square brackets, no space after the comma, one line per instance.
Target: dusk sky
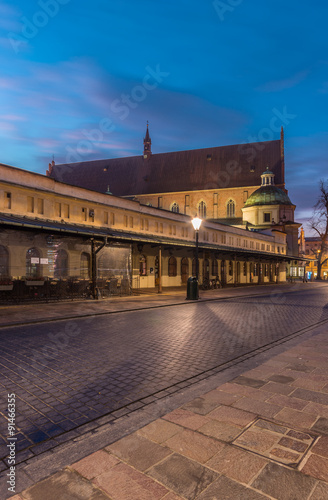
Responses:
[80,79]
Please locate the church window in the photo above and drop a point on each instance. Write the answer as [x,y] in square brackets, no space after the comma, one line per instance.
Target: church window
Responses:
[202,210]
[175,208]
[230,209]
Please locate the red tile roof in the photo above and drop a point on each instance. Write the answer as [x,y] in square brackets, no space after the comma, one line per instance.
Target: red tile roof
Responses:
[210,168]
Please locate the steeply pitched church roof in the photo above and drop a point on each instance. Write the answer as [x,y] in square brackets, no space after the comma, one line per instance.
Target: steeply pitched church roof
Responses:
[210,168]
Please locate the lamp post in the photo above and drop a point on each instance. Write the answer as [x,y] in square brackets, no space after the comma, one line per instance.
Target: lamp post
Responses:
[196,222]
[318,265]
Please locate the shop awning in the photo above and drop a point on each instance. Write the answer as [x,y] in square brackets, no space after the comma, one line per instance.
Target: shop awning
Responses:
[50,226]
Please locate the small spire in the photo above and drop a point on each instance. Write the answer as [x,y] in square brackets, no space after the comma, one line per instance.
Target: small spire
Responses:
[147,144]
[108,190]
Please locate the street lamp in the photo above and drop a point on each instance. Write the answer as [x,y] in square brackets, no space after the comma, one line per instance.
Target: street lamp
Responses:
[196,222]
[192,283]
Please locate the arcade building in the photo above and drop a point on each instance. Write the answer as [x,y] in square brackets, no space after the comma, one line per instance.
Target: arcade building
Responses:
[111,226]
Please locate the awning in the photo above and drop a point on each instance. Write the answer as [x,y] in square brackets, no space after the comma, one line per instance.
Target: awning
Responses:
[51,226]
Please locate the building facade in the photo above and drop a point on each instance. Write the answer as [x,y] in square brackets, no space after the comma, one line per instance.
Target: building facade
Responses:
[214,182]
[55,233]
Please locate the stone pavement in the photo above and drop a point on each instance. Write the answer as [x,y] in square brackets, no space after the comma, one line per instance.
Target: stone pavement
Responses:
[262,434]
[36,312]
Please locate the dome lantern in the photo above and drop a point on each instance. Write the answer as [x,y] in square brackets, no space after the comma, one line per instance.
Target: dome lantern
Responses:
[267,178]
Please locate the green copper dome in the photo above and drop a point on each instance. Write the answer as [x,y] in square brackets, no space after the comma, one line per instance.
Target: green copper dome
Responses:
[268,195]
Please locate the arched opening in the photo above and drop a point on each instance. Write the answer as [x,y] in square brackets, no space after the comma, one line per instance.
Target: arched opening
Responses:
[85,266]
[231,208]
[4,262]
[172,266]
[61,264]
[202,210]
[184,270]
[33,267]
[175,208]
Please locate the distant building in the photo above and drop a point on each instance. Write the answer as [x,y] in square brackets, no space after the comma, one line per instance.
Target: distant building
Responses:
[214,182]
[312,249]
[218,184]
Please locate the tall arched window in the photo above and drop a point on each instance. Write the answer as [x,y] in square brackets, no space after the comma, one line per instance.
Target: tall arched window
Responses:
[33,267]
[202,210]
[172,266]
[143,265]
[175,208]
[85,266]
[61,264]
[230,209]
[4,262]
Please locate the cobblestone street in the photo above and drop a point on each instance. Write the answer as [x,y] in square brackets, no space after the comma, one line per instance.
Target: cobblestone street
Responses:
[66,374]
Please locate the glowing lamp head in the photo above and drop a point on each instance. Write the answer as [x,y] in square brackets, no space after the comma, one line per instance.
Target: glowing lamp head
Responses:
[196,222]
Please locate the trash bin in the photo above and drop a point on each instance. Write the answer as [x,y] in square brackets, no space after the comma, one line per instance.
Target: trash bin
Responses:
[192,289]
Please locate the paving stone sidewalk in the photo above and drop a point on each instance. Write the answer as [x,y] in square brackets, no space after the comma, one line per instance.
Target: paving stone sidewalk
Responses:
[263,435]
[16,314]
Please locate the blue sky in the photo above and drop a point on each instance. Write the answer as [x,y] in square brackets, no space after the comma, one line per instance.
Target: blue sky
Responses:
[80,79]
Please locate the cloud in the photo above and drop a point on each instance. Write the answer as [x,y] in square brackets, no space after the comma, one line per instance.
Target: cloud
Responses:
[286,83]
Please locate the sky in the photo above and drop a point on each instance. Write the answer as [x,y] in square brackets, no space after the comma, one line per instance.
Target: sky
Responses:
[80,79]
